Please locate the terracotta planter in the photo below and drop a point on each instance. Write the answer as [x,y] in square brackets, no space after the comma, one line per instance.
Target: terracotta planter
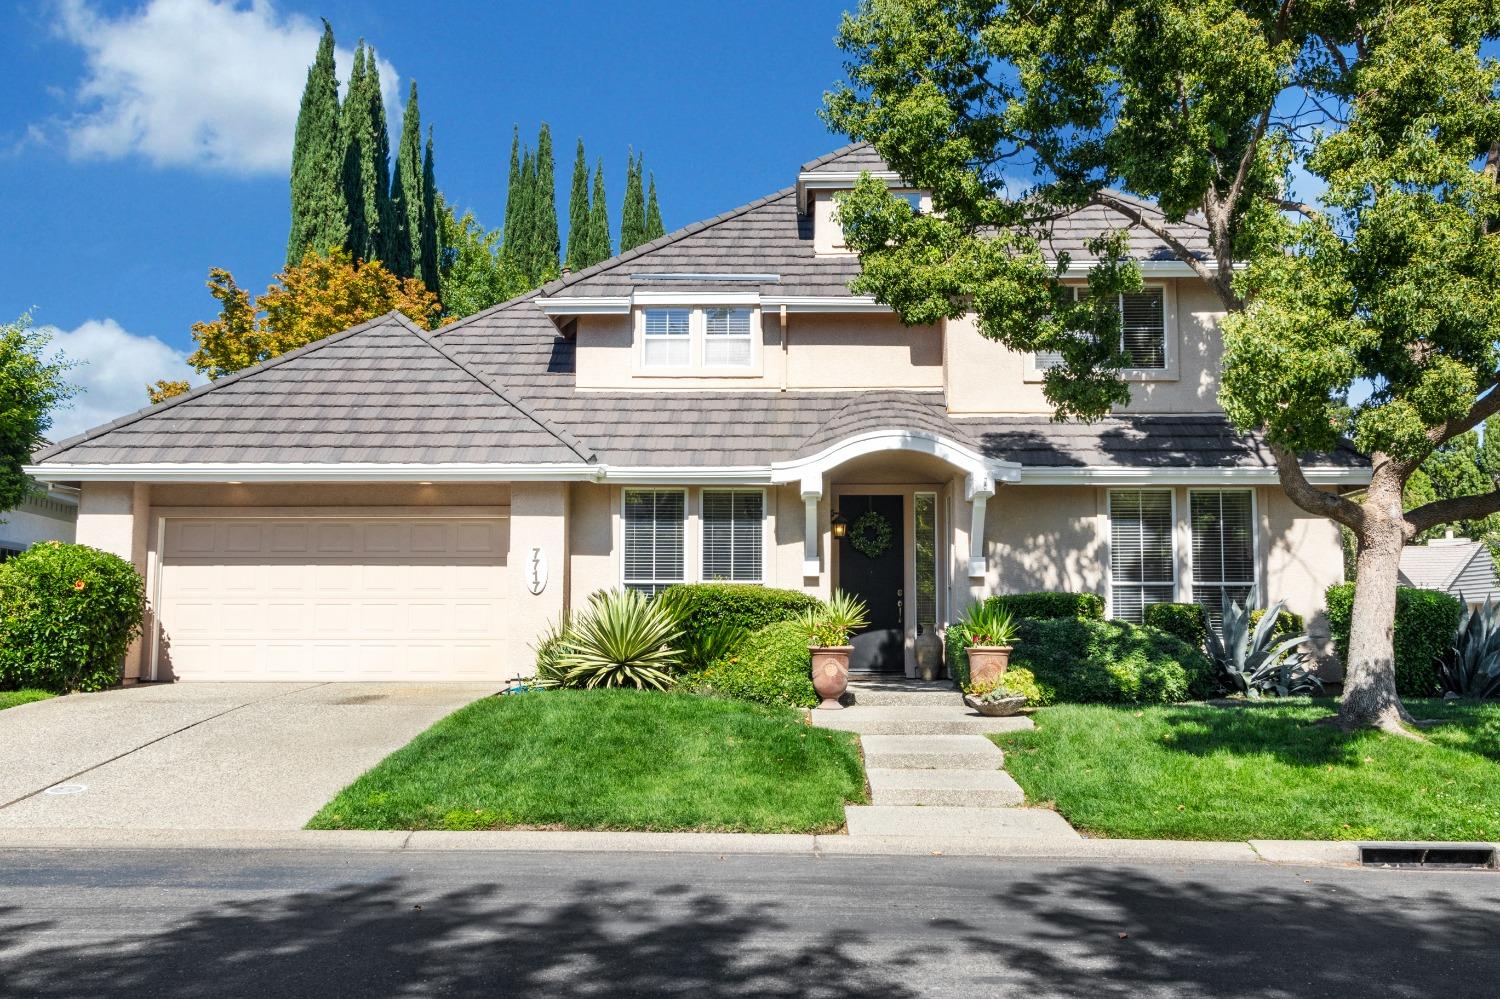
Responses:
[830,673]
[987,662]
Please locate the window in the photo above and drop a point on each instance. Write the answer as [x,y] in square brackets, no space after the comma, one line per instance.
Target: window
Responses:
[653,554]
[7,553]
[1141,557]
[1143,330]
[668,338]
[733,522]
[924,523]
[726,339]
[1223,525]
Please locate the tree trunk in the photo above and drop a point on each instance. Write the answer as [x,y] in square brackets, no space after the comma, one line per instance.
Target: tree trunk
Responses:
[1370,699]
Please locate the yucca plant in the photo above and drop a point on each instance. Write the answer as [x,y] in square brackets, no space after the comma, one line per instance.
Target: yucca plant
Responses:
[1470,667]
[1252,665]
[549,649]
[622,640]
[988,623]
[832,624]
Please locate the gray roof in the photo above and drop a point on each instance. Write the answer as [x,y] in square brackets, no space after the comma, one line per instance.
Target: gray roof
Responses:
[856,156]
[1453,565]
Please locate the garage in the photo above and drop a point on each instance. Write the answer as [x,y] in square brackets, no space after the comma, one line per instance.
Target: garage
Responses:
[306,597]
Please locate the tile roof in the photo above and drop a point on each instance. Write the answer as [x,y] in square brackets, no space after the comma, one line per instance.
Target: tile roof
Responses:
[1453,565]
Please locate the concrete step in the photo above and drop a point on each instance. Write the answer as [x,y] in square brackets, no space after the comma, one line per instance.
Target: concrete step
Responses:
[884,693]
[957,823]
[968,788]
[931,752]
[910,720]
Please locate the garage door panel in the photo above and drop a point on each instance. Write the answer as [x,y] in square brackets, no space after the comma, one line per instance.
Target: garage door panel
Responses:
[324,599]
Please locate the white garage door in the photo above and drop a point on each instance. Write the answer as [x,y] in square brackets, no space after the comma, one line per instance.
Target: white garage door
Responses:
[314,598]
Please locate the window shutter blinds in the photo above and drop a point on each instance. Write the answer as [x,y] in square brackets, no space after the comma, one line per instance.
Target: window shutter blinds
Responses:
[668,340]
[732,535]
[653,556]
[727,338]
[1143,326]
[1223,550]
[1142,557]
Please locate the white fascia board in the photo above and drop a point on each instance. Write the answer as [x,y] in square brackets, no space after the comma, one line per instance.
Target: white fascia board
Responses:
[313,472]
[697,298]
[690,475]
[1149,268]
[841,180]
[586,306]
[824,303]
[1101,475]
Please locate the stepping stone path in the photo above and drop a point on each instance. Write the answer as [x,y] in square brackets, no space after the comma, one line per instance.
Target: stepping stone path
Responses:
[933,774]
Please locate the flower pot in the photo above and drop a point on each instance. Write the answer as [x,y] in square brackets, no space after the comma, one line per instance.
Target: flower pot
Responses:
[830,673]
[999,707]
[987,663]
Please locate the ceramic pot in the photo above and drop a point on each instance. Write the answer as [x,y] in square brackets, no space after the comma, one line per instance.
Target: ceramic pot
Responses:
[830,673]
[987,663]
[929,655]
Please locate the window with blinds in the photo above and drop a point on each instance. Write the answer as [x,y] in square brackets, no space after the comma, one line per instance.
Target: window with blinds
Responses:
[1143,330]
[733,535]
[668,339]
[726,338]
[654,558]
[1142,561]
[1223,525]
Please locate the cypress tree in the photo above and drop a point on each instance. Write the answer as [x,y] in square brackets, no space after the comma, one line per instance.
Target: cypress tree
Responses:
[429,264]
[320,218]
[407,197]
[374,136]
[633,213]
[599,219]
[654,228]
[350,133]
[578,213]
[510,238]
[545,245]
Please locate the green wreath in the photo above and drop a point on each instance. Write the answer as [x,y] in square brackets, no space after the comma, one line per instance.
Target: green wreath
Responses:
[870,534]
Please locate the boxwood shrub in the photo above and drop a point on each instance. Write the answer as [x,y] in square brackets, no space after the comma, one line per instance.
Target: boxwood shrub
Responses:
[1111,662]
[67,615]
[744,605]
[1287,623]
[1426,621]
[1045,605]
[773,667]
[1187,621]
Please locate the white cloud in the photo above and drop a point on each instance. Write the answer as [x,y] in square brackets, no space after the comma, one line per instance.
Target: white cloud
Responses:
[213,84]
[114,368]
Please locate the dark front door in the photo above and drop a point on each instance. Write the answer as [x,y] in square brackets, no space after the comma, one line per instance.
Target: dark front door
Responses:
[875,573]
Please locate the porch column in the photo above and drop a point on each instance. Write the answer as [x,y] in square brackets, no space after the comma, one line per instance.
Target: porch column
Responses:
[978,491]
[812,492]
[115,517]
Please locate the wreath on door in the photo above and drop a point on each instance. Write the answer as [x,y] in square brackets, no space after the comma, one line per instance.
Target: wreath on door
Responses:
[870,534]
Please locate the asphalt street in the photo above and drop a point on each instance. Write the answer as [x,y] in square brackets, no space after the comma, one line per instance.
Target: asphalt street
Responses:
[180,923]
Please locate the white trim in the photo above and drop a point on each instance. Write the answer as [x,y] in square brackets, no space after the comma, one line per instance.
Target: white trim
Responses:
[707,276]
[824,303]
[839,180]
[585,305]
[690,298]
[982,472]
[811,566]
[1079,268]
[172,471]
[1116,476]
[978,561]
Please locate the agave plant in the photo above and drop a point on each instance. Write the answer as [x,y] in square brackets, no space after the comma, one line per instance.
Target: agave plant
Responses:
[1252,664]
[987,623]
[549,649]
[622,640]
[832,624]
[1471,666]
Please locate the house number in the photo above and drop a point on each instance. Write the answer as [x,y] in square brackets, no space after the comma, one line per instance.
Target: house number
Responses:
[536,571]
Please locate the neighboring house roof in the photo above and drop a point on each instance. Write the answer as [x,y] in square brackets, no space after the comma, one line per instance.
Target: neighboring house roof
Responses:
[1453,565]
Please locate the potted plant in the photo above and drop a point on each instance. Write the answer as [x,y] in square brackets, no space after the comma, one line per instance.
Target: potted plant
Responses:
[829,628]
[989,633]
[1002,695]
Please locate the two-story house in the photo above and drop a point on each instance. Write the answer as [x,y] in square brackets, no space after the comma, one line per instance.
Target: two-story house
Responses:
[715,405]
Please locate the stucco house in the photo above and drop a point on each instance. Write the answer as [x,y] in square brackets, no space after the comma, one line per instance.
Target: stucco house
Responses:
[46,515]
[1459,567]
[715,405]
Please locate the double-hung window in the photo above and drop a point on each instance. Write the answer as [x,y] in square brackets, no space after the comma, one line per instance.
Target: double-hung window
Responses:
[716,339]
[1223,528]
[733,535]
[654,555]
[668,338]
[1142,559]
[726,338]
[1143,330]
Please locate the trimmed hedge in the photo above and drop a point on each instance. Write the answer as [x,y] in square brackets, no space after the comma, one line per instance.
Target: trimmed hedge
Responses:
[744,605]
[1187,621]
[1287,623]
[67,615]
[774,667]
[1046,605]
[1084,661]
[1426,621]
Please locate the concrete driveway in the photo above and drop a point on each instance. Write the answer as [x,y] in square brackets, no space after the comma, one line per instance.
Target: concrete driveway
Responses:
[205,755]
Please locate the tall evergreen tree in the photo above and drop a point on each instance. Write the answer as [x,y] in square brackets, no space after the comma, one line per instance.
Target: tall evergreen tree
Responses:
[429,264]
[407,197]
[320,215]
[367,161]
[654,228]
[510,231]
[522,253]
[633,212]
[354,202]
[545,246]
[599,219]
[578,213]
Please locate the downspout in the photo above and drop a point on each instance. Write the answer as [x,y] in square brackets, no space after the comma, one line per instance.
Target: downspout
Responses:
[785,359]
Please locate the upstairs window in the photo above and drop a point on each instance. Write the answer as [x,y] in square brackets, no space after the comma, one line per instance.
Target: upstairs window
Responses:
[1143,330]
[1142,559]
[668,339]
[726,338]
[715,339]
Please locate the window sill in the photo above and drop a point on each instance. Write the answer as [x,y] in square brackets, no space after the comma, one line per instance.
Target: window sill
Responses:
[1033,377]
[749,372]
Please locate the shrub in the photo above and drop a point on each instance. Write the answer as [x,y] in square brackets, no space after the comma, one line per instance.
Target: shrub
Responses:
[1288,625]
[1112,662]
[744,605]
[1187,621]
[1013,681]
[956,644]
[549,649]
[622,640]
[773,667]
[67,615]
[1046,605]
[1426,621]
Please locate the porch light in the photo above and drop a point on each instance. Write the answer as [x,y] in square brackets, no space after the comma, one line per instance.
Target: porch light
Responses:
[839,525]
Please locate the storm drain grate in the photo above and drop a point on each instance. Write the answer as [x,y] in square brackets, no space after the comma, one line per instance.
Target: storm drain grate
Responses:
[1435,857]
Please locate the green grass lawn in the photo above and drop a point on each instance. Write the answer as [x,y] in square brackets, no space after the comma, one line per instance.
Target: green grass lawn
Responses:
[609,759]
[1263,771]
[11,698]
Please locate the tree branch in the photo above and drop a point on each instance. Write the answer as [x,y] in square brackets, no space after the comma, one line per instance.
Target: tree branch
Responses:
[1309,497]
[1162,233]
[1446,511]
[1300,207]
[1486,406]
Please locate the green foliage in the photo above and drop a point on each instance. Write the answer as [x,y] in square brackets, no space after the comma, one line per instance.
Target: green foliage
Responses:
[15,698]
[430,260]
[1187,621]
[633,214]
[599,244]
[408,196]
[67,615]
[1287,622]
[773,666]
[1426,621]
[1019,680]
[33,383]
[1082,660]
[550,648]
[1470,666]
[579,255]
[622,640]
[474,273]
[654,227]
[1046,604]
[543,264]
[835,621]
[367,169]
[741,605]
[1461,467]
[987,623]
[956,653]
[320,210]
[1252,665]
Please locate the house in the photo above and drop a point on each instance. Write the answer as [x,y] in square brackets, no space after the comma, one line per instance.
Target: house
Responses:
[46,515]
[1457,566]
[389,503]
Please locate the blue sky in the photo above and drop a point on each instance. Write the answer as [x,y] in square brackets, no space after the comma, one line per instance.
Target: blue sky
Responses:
[143,143]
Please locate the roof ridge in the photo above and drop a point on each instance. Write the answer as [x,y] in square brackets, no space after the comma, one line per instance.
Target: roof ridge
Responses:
[838,153]
[129,418]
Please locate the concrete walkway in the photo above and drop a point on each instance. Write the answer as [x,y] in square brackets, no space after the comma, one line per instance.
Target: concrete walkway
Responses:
[933,773]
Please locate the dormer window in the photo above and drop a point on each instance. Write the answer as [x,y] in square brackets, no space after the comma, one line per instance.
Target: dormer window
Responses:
[711,340]
[726,338]
[668,338]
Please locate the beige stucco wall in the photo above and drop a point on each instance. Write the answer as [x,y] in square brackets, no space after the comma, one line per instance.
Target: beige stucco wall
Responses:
[115,517]
[1304,555]
[538,560]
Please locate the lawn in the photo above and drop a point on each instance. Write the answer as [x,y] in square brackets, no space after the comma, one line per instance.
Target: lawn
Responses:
[1261,772]
[11,698]
[610,759]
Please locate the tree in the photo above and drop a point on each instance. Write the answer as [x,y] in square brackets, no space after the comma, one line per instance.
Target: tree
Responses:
[598,219]
[578,213]
[367,171]
[308,301]
[429,246]
[1456,469]
[514,195]
[654,228]
[1212,106]
[163,389]
[633,213]
[407,196]
[545,246]
[475,274]
[33,382]
[320,212]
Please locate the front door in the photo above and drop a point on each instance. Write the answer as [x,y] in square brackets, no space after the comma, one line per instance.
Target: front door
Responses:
[872,567]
